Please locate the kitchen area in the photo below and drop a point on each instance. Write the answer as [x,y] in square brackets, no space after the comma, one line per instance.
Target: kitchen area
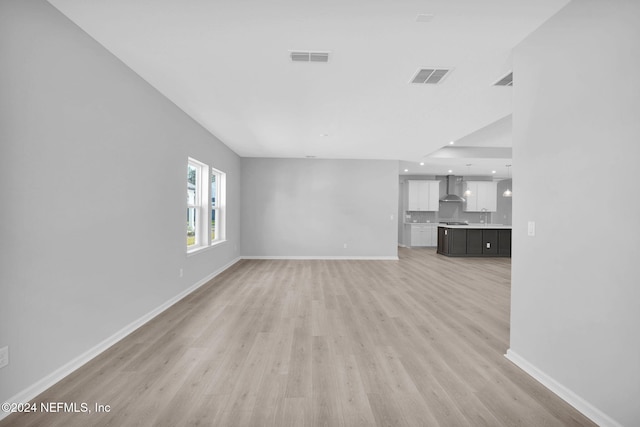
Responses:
[457,215]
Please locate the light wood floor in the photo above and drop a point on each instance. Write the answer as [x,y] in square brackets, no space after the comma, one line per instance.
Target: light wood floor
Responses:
[415,342]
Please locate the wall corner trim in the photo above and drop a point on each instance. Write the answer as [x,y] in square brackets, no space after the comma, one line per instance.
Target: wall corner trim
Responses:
[586,408]
[40,386]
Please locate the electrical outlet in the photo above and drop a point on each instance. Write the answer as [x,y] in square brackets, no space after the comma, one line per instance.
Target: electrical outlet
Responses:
[180,273]
[345,246]
[4,356]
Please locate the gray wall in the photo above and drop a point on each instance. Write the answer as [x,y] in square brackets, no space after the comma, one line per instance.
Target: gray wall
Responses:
[312,207]
[92,183]
[575,288]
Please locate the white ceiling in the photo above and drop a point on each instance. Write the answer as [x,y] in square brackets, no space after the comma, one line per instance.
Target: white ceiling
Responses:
[226,64]
[481,153]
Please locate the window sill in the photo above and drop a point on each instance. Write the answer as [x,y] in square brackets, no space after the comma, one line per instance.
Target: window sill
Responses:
[200,249]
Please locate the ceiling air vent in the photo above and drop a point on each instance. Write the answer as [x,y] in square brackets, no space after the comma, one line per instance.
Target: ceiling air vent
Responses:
[424,17]
[505,81]
[430,76]
[301,56]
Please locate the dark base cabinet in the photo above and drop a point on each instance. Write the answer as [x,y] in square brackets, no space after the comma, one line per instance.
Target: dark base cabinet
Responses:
[490,242]
[443,241]
[504,242]
[457,241]
[474,242]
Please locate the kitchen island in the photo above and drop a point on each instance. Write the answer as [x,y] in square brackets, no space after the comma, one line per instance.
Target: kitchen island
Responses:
[474,240]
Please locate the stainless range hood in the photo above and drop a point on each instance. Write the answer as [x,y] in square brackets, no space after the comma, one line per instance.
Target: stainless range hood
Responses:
[450,196]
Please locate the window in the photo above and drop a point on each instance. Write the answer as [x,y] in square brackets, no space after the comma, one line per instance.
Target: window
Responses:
[216,214]
[205,205]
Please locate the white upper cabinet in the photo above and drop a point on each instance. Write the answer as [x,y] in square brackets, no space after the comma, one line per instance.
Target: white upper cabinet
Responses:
[484,196]
[423,195]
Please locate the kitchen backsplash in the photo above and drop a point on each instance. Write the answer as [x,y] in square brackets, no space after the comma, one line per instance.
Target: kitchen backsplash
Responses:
[471,217]
[418,216]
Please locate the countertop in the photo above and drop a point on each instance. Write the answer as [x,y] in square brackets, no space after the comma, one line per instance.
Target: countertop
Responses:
[472,226]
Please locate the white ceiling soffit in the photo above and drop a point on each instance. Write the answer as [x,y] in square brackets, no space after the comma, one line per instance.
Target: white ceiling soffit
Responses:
[472,153]
[496,134]
[488,149]
[479,167]
[202,55]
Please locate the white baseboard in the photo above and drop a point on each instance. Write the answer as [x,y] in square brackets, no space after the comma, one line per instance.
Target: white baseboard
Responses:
[587,409]
[364,258]
[35,389]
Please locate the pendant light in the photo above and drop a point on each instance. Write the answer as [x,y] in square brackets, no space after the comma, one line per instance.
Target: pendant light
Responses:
[467,192]
[507,192]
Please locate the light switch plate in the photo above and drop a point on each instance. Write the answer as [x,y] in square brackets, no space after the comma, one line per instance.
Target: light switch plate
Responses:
[531,228]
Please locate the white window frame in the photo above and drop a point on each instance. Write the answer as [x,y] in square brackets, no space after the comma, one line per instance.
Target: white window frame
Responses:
[199,204]
[219,207]
[203,206]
